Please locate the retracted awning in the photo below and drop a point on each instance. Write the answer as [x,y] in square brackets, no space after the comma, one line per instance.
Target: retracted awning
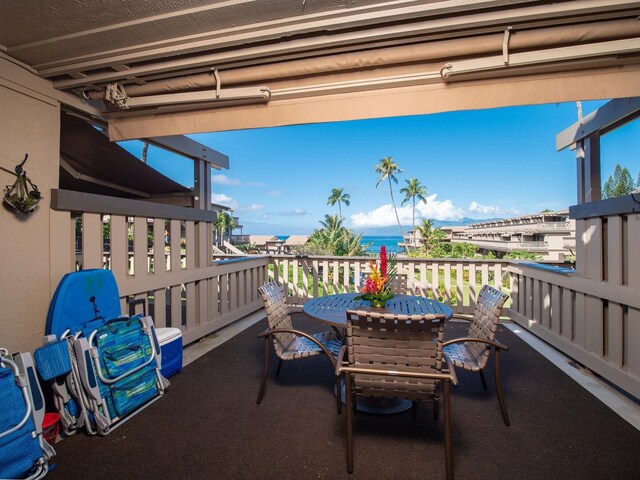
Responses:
[90,163]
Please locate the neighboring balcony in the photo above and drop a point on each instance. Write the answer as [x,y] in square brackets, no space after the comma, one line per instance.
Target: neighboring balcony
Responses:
[507,245]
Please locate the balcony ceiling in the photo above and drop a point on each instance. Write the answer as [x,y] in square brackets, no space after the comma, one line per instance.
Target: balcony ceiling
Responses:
[168,46]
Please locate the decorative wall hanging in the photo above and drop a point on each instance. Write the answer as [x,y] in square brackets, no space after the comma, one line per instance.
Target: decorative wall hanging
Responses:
[23,194]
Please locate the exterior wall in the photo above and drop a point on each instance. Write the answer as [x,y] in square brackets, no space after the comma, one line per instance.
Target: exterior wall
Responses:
[551,235]
[29,124]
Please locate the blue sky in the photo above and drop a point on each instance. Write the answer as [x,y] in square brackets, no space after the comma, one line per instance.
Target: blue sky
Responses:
[478,164]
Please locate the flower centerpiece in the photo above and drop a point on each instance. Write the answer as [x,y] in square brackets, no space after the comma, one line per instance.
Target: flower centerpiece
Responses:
[376,288]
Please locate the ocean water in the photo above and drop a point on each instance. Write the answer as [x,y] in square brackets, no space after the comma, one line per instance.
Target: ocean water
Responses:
[391,242]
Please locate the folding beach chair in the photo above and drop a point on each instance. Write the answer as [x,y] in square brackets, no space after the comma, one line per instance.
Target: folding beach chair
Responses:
[23,451]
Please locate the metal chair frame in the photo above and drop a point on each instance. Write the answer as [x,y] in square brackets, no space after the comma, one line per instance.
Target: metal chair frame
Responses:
[396,348]
[288,342]
[473,351]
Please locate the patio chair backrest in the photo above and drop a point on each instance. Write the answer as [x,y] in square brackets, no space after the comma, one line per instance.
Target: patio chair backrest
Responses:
[399,285]
[275,305]
[484,324]
[394,342]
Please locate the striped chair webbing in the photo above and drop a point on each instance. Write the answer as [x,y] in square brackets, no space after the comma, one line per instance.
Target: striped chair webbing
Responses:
[394,342]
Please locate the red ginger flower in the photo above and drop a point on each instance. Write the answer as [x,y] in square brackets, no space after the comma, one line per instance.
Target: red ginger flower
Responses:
[383,261]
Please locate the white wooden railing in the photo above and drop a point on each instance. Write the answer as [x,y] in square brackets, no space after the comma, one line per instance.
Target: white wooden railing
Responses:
[597,322]
[178,282]
[594,315]
[454,281]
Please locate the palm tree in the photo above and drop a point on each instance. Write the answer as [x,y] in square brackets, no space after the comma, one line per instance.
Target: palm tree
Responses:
[338,196]
[387,169]
[426,230]
[223,222]
[413,190]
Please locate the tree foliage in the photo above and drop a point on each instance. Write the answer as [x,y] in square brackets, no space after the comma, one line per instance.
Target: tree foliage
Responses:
[338,196]
[224,223]
[620,183]
[521,255]
[387,169]
[333,239]
[412,191]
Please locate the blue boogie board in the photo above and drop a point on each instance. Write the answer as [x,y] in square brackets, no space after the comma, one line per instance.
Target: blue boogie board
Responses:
[114,359]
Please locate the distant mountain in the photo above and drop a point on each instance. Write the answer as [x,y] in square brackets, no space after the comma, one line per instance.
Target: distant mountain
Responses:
[463,221]
[393,230]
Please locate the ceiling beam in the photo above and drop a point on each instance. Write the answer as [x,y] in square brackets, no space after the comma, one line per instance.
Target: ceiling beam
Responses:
[190,148]
[445,24]
[332,20]
[606,118]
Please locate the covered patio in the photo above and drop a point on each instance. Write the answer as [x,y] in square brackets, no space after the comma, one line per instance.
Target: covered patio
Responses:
[144,70]
[209,426]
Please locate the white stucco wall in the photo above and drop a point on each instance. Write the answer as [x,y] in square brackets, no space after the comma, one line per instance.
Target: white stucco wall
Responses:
[29,124]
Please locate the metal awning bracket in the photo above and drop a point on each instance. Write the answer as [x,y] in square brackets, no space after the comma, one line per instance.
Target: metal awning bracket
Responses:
[216,75]
[116,94]
[505,45]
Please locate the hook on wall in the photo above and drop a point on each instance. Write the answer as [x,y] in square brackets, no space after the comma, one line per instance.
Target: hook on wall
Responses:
[23,195]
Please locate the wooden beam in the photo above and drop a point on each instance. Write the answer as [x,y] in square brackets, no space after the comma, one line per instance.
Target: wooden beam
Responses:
[592,185]
[190,148]
[603,208]
[435,18]
[608,117]
[70,201]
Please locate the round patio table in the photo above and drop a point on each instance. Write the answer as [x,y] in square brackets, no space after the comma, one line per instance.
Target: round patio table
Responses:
[331,310]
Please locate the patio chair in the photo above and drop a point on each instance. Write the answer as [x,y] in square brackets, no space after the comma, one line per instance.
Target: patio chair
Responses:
[395,356]
[399,285]
[289,343]
[472,352]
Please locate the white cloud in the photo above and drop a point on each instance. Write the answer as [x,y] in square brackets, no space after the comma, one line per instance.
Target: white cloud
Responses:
[265,216]
[222,199]
[254,207]
[233,204]
[476,208]
[295,211]
[380,217]
[438,210]
[385,216]
[223,180]
[220,179]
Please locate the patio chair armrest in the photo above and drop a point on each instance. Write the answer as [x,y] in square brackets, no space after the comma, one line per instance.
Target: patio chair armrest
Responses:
[486,341]
[340,359]
[447,377]
[458,316]
[269,332]
[451,368]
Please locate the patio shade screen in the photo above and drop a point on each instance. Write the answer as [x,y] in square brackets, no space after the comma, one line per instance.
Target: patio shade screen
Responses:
[619,82]
[399,80]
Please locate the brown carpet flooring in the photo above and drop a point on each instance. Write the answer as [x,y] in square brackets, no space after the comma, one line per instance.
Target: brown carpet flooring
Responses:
[208,427]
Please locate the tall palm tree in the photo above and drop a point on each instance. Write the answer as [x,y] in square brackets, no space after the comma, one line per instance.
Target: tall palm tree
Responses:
[338,196]
[331,223]
[426,231]
[387,169]
[414,190]
[223,222]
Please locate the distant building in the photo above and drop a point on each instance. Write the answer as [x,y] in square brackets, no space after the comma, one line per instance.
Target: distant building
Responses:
[235,239]
[267,243]
[550,234]
[295,241]
[417,241]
